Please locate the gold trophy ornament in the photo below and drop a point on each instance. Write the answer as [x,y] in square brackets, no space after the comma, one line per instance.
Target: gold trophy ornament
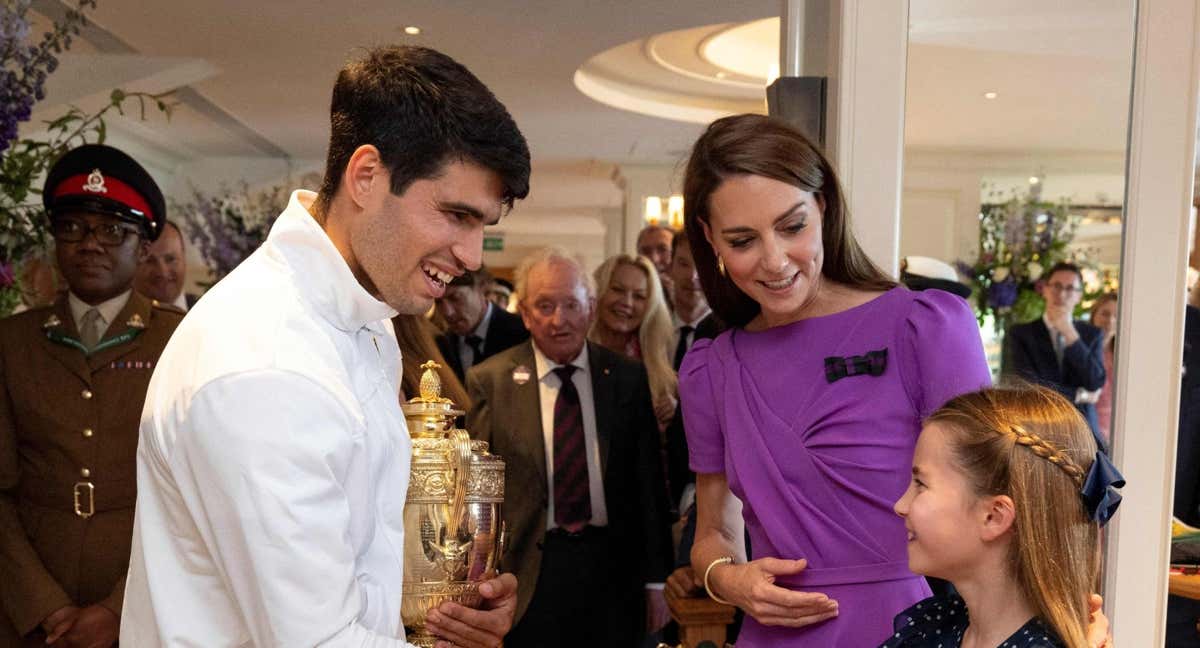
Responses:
[453,532]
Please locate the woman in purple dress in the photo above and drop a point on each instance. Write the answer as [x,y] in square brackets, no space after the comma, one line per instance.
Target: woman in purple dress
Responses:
[802,418]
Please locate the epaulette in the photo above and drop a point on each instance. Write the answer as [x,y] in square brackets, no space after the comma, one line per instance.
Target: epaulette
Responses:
[170,308]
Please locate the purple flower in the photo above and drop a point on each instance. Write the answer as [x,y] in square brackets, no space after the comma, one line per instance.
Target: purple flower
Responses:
[7,276]
[1003,294]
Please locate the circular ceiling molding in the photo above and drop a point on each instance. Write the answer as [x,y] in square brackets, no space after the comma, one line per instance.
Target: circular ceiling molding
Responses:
[749,49]
[668,75]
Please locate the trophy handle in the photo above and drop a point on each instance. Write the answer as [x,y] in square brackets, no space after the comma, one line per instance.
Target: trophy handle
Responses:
[462,468]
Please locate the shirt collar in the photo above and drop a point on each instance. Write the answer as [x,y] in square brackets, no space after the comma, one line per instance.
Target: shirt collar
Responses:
[108,309]
[545,365]
[693,323]
[481,330]
[327,283]
[181,301]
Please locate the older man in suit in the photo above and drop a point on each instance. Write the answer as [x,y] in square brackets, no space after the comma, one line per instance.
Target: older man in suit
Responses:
[575,425]
[1057,350]
[73,377]
[477,328]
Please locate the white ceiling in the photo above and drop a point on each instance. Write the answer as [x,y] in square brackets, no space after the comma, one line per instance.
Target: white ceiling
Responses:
[260,73]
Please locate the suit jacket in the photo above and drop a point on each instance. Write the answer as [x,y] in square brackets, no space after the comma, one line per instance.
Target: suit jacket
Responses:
[508,416]
[504,331]
[1029,354]
[63,412]
[1187,449]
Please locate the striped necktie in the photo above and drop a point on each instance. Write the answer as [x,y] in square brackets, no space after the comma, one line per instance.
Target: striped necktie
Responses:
[572,498]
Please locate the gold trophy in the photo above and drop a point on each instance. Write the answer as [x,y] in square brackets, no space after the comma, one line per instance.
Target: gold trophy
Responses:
[453,532]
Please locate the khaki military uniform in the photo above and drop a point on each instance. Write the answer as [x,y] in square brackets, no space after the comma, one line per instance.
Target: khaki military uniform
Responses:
[68,443]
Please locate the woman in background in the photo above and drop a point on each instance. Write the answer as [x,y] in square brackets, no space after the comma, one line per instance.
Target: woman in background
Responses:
[632,319]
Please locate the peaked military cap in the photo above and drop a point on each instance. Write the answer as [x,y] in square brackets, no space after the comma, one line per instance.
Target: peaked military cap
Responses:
[101,179]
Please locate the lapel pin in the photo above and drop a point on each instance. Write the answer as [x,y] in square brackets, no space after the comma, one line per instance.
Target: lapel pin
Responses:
[52,321]
[136,322]
[521,375]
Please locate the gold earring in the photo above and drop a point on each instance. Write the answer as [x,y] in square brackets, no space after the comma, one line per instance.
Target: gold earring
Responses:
[720,265]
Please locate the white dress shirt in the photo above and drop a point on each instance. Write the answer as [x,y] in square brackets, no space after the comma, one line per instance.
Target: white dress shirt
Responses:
[273,461]
[679,324]
[548,386]
[108,310]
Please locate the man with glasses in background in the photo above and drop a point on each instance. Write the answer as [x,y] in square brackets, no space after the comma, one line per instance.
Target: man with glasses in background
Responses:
[1059,351]
[74,377]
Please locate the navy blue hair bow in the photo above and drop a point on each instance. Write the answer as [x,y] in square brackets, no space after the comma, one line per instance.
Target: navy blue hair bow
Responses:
[1099,494]
[871,364]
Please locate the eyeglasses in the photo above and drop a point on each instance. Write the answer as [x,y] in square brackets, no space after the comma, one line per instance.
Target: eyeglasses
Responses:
[1060,287]
[107,234]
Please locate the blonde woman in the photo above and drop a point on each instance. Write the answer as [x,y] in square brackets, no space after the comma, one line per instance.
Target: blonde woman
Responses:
[632,319]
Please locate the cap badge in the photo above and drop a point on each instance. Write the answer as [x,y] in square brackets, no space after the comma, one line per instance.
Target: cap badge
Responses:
[52,322]
[136,322]
[95,182]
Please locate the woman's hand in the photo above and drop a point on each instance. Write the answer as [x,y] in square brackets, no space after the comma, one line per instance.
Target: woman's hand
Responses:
[751,587]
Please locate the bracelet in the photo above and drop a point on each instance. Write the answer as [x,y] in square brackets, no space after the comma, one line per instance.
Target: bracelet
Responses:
[723,560]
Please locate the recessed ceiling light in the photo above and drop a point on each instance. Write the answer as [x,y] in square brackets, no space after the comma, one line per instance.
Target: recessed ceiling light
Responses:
[721,75]
[412,30]
[1034,179]
[990,95]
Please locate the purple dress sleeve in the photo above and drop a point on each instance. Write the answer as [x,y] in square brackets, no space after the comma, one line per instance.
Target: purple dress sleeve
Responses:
[942,351]
[705,439]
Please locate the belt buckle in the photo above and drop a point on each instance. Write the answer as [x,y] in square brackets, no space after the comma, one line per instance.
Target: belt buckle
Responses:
[85,499]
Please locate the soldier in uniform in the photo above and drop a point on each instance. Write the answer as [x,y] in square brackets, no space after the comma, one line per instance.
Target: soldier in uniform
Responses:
[74,377]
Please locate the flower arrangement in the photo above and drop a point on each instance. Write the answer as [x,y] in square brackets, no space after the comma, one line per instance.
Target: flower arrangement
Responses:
[1019,239]
[228,226]
[24,68]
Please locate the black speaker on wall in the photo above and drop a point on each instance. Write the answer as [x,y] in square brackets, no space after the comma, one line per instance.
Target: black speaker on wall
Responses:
[801,102]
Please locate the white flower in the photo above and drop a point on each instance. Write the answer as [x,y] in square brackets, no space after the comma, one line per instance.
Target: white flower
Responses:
[1035,270]
[1000,274]
[1091,279]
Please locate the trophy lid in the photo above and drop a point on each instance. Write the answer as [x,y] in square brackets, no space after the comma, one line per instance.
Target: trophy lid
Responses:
[431,405]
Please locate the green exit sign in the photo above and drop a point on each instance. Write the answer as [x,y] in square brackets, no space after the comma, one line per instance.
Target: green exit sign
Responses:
[493,243]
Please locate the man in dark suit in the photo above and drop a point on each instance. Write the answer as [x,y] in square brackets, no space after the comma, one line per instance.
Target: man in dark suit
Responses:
[478,329]
[574,423]
[73,377]
[1058,351]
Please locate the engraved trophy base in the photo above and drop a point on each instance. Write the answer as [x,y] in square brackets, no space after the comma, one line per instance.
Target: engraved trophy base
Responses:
[418,598]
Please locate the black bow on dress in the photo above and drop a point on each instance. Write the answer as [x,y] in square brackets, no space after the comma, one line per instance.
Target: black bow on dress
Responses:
[871,364]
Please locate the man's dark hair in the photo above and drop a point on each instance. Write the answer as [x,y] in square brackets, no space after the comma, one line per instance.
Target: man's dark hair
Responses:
[472,278]
[679,239]
[422,110]
[1063,266]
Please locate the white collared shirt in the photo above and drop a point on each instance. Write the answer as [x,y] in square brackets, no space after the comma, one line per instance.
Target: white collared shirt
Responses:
[548,386]
[273,461]
[680,324]
[465,351]
[181,301]
[108,309]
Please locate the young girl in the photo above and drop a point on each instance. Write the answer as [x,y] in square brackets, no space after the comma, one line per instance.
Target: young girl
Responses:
[1007,497]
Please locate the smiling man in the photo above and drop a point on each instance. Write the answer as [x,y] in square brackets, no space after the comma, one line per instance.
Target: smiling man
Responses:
[74,375]
[162,273]
[274,457]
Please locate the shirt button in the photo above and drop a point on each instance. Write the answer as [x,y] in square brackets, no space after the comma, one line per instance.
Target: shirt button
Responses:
[87,433]
[87,394]
[84,472]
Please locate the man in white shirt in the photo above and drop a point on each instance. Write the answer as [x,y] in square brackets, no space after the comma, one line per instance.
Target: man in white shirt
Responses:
[575,425]
[274,459]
